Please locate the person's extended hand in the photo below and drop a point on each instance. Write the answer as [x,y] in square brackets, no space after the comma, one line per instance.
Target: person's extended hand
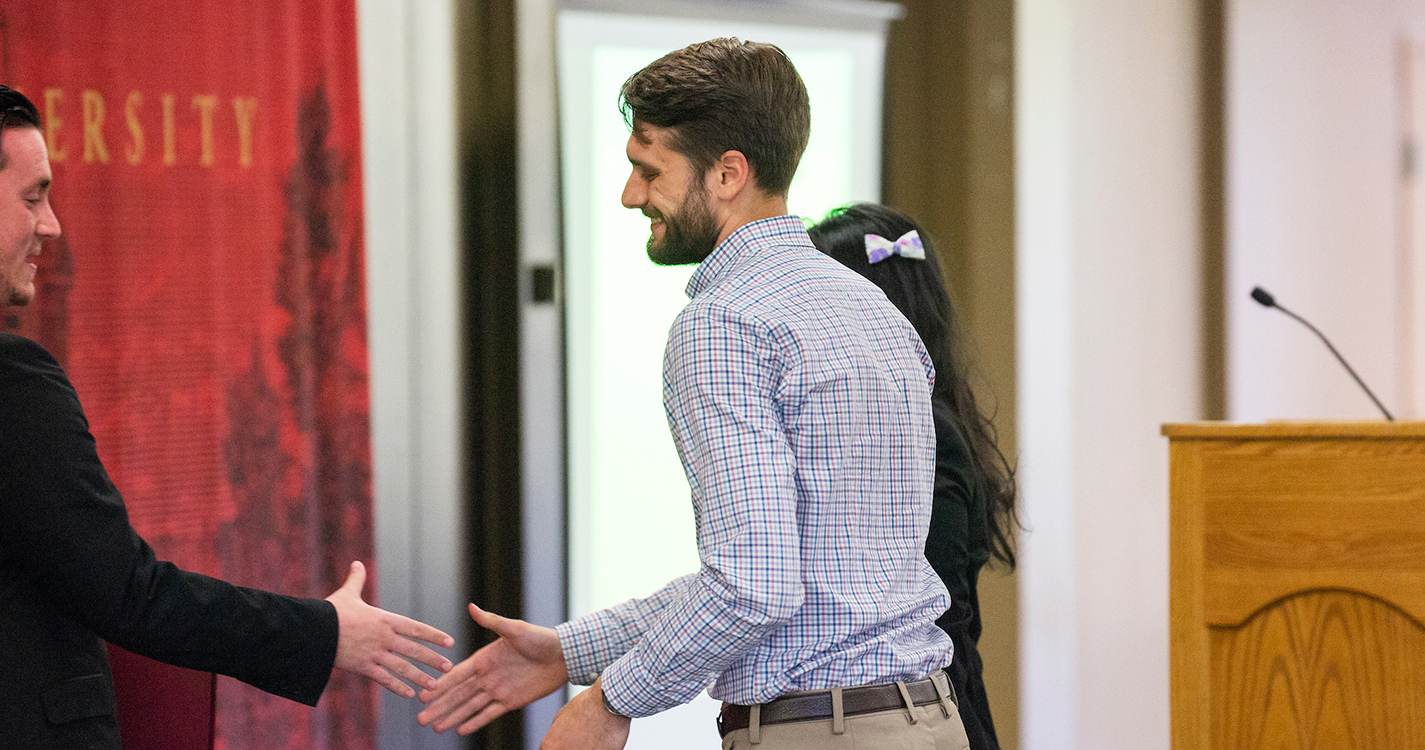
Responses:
[584,724]
[525,664]
[376,643]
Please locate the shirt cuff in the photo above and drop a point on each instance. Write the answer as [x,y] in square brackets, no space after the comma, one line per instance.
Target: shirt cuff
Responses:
[634,692]
[586,642]
[620,690]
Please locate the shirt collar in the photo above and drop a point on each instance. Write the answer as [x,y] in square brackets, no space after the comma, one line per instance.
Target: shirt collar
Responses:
[740,244]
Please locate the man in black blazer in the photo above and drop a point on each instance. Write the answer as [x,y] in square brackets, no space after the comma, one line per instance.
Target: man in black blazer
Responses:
[73,571]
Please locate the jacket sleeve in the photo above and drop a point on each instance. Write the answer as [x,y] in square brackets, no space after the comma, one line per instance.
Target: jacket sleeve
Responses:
[948,546]
[63,525]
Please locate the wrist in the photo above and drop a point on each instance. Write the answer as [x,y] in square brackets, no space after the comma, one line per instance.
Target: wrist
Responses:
[604,698]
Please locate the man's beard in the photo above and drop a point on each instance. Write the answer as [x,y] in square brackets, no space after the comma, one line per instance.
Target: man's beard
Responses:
[12,296]
[16,295]
[689,235]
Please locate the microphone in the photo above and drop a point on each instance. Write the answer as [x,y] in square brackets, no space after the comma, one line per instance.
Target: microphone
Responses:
[1265,298]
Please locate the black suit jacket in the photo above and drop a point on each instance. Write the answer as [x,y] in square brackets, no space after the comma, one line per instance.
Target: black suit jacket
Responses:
[73,571]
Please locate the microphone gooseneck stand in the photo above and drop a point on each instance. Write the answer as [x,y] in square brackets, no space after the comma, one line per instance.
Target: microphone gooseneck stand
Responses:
[1265,298]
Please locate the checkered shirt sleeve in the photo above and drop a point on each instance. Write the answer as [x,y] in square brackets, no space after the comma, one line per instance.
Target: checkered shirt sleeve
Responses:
[592,642]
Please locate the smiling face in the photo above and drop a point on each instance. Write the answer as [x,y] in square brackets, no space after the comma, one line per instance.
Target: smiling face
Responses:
[26,218]
[669,191]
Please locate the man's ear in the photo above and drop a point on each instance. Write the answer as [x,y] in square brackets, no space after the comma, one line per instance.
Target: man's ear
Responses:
[729,175]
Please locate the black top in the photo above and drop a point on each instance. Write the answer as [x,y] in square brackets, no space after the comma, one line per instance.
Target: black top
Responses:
[73,571]
[957,547]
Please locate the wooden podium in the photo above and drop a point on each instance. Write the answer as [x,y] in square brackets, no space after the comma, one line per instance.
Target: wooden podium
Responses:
[1298,585]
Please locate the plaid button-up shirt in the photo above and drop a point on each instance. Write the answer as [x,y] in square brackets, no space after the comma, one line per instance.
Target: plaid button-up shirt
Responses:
[799,401]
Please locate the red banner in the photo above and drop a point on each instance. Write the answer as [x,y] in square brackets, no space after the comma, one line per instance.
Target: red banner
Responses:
[207,296]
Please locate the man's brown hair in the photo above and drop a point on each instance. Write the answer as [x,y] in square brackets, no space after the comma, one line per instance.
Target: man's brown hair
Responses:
[726,95]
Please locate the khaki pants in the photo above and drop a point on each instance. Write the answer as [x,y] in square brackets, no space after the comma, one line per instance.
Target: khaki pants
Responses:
[886,730]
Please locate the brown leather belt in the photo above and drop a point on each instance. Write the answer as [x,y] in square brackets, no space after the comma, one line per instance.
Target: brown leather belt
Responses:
[867,699]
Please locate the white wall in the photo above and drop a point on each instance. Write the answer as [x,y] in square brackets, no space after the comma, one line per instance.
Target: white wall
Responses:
[1313,169]
[1108,280]
[407,58]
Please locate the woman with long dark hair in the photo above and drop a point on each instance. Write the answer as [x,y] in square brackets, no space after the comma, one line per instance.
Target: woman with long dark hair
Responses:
[973,517]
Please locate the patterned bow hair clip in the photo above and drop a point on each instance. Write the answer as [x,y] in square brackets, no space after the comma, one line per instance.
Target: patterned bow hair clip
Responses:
[879,248]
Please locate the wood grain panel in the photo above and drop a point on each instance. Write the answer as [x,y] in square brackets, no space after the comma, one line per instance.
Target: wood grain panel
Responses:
[1298,585]
[1189,665]
[1284,516]
[1231,597]
[1360,470]
[1382,536]
[1327,669]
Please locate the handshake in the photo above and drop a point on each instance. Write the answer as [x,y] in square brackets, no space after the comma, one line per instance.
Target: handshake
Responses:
[525,664]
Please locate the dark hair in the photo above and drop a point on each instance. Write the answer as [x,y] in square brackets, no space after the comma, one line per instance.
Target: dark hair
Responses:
[16,111]
[917,289]
[726,95]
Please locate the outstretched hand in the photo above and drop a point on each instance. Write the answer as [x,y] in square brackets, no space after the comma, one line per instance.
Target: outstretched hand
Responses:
[525,664]
[377,643]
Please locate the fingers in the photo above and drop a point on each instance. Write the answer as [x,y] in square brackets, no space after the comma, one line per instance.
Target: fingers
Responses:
[464,670]
[422,632]
[387,680]
[394,664]
[412,650]
[453,705]
[448,695]
[475,712]
[451,680]
[491,712]
[389,668]
[465,711]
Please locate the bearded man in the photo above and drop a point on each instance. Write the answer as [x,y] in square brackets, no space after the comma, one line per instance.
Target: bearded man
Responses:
[799,402]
